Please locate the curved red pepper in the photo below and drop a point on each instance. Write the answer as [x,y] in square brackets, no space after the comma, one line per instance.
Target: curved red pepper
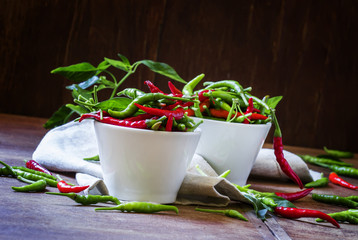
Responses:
[174,90]
[152,87]
[66,188]
[177,114]
[295,195]
[142,124]
[334,178]
[298,213]
[249,109]
[32,164]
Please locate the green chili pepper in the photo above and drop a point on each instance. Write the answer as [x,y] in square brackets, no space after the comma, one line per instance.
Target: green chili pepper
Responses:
[37,186]
[334,199]
[322,182]
[218,102]
[320,161]
[148,97]
[353,198]
[7,170]
[234,85]
[350,216]
[141,207]
[269,202]
[228,212]
[338,153]
[88,199]
[94,158]
[35,177]
[188,89]
[24,169]
[344,171]
[131,93]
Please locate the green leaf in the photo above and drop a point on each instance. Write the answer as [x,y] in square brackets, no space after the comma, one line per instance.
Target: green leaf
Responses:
[60,117]
[272,102]
[259,208]
[116,104]
[87,94]
[77,108]
[86,84]
[78,72]
[124,59]
[118,64]
[103,66]
[281,202]
[163,69]
[107,83]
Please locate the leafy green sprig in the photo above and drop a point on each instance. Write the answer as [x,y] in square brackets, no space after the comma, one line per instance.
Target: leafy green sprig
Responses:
[88,80]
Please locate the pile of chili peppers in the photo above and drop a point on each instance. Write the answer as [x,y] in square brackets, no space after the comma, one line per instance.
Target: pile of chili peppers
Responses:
[155,110]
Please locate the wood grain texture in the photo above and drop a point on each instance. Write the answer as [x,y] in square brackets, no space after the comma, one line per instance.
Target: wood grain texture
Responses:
[303,50]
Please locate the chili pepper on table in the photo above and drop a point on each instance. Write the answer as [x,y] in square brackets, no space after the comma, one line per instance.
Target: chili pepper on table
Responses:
[278,151]
[32,164]
[141,207]
[342,170]
[38,186]
[334,178]
[295,213]
[319,161]
[152,87]
[7,170]
[350,216]
[43,174]
[334,199]
[295,195]
[64,187]
[322,182]
[88,199]
[188,89]
[338,153]
[35,177]
[228,212]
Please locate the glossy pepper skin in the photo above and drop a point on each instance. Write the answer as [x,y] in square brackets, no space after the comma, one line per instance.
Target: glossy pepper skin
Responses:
[338,153]
[64,187]
[227,212]
[24,169]
[88,199]
[299,212]
[141,207]
[334,199]
[350,216]
[322,182]
[334,178]
[278,151]
[32,164]
[295,195]
[38,186]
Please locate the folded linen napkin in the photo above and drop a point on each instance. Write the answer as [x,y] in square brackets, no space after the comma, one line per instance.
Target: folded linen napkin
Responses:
[63,148]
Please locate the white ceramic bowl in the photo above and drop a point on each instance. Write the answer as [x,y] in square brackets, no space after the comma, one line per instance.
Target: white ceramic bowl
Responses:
[231,146]
[144,165]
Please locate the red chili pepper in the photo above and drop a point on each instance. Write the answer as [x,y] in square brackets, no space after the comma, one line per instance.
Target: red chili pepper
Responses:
[32,164]
[169,125]
[174,90]
[278,150]
[66,188]
[177,114]
[142,124]
[295,195]
[334,178]
[298,213]
[201,96]
[249,109]
[152,87]
[258,116]
[139,117]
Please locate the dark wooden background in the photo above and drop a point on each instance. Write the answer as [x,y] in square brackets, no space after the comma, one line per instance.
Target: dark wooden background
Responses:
[305,51]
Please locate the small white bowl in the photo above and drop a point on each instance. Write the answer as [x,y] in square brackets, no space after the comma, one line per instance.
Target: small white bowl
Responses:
[144,165]
[231,146]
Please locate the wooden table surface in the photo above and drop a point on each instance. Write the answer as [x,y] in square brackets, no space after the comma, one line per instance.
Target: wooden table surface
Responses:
[40,216]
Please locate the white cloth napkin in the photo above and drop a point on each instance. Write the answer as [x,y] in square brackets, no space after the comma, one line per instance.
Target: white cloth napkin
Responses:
[63,148]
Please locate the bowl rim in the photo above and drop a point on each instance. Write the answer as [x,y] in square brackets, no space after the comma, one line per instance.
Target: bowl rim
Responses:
[197,131]
[233,123]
